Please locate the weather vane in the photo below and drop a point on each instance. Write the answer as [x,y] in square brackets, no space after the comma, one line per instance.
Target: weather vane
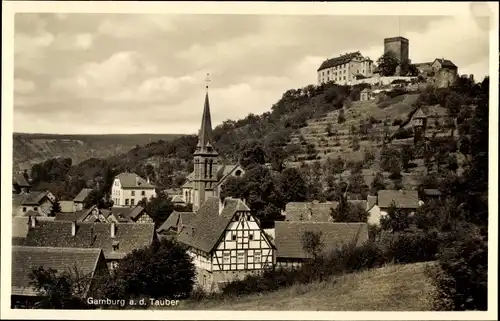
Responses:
[207,80]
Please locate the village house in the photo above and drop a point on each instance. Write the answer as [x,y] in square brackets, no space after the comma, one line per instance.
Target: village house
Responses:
[315,211]
[365,95]
[80,199]
[67,206]
[289,239]
[87,263]
[116,240]
[223,237]
[403,199]
[445,72]
[34,201]
[136,214]
[345,68]
[129,189]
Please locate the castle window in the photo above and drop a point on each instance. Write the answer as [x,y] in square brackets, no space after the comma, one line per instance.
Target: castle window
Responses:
[132,193]
[126,201]
[211,165]
[143,193]
[132,202]
[24,209]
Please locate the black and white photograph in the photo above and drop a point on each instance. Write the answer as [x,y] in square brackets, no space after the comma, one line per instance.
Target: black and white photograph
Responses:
[273,159]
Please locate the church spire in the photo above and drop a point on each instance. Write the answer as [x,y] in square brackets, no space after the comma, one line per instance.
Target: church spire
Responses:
[205,134]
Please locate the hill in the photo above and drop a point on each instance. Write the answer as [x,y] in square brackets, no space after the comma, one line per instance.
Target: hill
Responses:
[30,149]
[382,289]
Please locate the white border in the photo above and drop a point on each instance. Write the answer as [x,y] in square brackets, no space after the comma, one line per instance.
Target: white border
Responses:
[281,8]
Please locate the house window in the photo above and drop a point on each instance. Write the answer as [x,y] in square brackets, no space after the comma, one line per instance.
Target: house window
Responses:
[241,257]
[250,236]
[227,257]
[233,237]
[36,209]
[114,265]
[126,201]
[132,193]
[256,256]
[24,209]
[132,202]
[143,193]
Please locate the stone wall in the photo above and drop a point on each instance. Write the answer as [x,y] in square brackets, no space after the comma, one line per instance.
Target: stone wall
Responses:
[213,281]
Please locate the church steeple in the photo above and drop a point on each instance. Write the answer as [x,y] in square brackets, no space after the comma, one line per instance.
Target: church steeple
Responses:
[205,158]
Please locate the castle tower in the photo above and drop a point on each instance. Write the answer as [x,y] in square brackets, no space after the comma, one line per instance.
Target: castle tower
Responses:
[399,46]
[205,159]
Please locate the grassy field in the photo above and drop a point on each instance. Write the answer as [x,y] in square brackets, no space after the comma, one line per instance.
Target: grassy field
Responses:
[390,288]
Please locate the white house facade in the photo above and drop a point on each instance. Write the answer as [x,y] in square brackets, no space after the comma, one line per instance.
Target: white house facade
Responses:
[129,189]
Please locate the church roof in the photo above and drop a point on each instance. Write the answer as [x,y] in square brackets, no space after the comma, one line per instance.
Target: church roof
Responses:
[205,134]
[207,225]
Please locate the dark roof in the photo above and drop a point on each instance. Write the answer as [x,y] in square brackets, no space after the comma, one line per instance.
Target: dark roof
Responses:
[132,180]
[82,195]
[25,259]
[127,213]
[403,198]
[288,236]
[205,134]
[332,62]
[33,198]
[207,225]
[176,220]
[77,216]
[445,63]
[58,234]
[399,38]
[20,180]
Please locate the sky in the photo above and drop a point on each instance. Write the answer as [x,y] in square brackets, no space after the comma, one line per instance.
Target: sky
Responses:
[144,73]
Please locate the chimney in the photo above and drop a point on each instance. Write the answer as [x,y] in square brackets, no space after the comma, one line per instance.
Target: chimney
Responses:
[113,229]
[370,201]
[73,228]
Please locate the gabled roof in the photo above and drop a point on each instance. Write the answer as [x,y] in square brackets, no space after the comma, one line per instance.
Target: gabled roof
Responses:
[33,198]
[25,259]
[20,180]
[403,199]
[80,198]
[338,60]
[128,213]
[77,216]
[288,236]
[419,114]
[445,63]
[207,225]
[132,180]
[177,199]
[176,220]
[92,235]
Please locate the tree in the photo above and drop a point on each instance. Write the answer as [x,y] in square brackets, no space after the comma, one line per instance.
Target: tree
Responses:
[368,157]
[346,212]
[56,208]
[396,220]
[341,117]
[292,186]
[274,147]
[161,270]
[159,208]
[387,64]
[377,184]
[59,290]
[406,156]
[251,152]
[312,243]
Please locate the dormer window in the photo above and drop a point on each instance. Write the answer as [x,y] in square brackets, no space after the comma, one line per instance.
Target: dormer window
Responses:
[116,245]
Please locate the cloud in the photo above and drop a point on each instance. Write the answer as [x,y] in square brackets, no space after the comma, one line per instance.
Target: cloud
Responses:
[145,72]
[22,86]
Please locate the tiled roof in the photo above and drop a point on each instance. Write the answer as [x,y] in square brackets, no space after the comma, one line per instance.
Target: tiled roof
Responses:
[20,180]
[25,259]
[31,213]
[288,236]
[403,198]
[80,198]
[132,180]
[128,213]
[66,206]
[92,235]
[77,216]
[339,60]
[207,225]
[445,63]
[176,219]
[32,198]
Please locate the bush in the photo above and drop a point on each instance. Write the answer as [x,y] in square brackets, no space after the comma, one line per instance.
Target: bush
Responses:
[461,278]
[403,133]
[397,122]
[412,246]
